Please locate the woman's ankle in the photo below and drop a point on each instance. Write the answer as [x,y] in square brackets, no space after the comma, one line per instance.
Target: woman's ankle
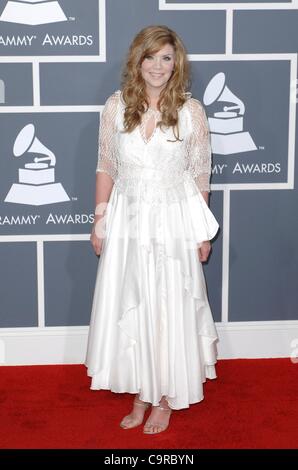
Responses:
[164,403]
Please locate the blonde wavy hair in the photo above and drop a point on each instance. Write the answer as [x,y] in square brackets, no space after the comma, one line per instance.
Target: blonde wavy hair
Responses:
[149,41]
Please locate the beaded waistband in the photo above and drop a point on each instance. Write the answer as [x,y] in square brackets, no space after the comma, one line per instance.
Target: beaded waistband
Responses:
[155,185]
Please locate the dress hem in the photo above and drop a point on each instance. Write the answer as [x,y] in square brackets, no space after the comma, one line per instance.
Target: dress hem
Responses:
[147,399]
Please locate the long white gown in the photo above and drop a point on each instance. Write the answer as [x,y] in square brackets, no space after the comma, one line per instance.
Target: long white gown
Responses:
[151,330]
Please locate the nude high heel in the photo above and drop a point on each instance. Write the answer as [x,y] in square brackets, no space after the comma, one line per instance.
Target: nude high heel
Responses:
[129,421]
[150,426]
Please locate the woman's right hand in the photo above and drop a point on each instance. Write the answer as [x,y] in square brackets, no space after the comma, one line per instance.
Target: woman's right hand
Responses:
[96,242]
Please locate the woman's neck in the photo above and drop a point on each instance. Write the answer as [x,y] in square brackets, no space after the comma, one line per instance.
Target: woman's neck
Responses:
[153,106]
[153,97]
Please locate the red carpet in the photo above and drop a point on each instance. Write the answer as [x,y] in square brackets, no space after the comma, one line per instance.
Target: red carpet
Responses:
[252,404]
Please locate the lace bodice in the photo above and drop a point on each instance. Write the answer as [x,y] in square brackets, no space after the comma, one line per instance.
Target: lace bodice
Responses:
[148,164]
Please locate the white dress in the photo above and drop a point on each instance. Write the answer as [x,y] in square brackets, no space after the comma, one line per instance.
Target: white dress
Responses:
[151,330]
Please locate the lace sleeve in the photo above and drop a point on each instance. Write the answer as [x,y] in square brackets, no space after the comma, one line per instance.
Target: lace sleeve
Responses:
[107,154]
[199,147]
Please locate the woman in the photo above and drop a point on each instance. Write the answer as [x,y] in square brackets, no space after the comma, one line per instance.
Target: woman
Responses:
[151,331]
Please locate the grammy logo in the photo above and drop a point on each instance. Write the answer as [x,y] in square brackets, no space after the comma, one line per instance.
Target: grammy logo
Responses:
[33,12]
[36,184]
[226,127]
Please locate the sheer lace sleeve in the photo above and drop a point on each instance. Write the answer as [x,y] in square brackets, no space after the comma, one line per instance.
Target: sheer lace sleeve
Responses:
[107,149]
[199,147]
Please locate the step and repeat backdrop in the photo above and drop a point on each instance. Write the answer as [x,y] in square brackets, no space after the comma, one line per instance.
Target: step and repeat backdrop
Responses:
[59,61]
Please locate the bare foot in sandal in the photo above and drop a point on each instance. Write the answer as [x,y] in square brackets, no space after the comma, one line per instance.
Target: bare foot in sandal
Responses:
[135,418]
[159,418]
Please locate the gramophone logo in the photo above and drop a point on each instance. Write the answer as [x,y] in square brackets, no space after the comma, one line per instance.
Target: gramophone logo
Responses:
[36,184]
[226,127]
[33,12]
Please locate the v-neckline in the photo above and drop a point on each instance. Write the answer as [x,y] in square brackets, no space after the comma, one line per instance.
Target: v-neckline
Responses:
[142,127]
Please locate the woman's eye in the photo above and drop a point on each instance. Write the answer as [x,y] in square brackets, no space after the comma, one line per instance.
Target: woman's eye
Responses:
[149,57]
[167,58]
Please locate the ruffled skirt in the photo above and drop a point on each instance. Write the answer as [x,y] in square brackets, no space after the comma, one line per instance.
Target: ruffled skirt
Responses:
[151,330]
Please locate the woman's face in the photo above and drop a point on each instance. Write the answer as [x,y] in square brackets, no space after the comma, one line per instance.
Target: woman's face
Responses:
[157,68]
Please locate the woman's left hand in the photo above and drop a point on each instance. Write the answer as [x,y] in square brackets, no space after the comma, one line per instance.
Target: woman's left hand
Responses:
[204,250]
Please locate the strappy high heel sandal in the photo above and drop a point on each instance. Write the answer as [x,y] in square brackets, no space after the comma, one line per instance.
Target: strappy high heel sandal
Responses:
[130,421]
[150,426]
